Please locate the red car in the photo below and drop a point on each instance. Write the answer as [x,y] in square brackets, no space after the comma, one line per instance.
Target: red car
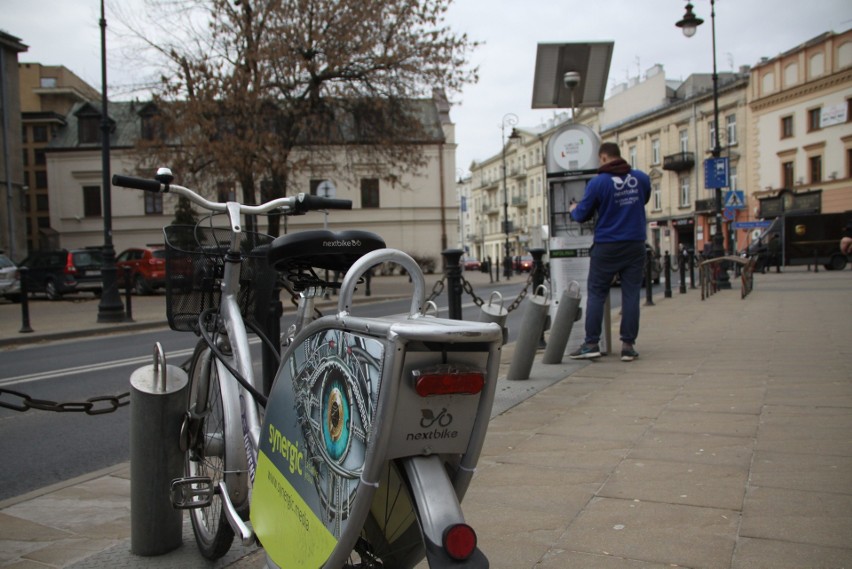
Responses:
[147,267]
[523,264]
[471,264]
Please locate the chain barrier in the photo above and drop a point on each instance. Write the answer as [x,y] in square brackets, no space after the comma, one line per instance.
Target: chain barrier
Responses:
[92,406]
[437,289]
[479,302]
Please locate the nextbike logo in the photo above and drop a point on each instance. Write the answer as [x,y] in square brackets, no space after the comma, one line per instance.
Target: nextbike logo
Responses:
[629,182]
[440,422]
[342,243]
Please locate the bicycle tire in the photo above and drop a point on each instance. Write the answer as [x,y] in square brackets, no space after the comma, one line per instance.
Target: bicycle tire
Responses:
[391,536]
[205,456]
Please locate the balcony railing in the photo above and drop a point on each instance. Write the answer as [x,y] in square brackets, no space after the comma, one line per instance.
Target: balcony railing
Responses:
[520,201]
[705,205]
[680,162]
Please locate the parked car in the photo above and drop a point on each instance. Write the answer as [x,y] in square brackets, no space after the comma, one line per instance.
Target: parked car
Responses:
[10,281]
[523,264]
[147,266]
[471,264]
[64,271]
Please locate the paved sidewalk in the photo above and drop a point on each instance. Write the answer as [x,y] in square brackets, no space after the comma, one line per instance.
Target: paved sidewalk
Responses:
[727,444]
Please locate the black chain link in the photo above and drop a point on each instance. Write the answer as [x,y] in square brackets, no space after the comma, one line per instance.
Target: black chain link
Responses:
[437,289]
[521,295]
[93,406]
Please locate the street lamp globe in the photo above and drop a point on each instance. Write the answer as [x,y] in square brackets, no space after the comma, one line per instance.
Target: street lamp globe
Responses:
[690,22]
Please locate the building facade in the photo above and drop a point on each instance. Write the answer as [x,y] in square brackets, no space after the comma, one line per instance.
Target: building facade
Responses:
[801,108]
[12,181]
[416,212]
[785,124]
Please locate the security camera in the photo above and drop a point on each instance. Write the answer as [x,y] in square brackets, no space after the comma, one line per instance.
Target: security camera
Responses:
[571,79]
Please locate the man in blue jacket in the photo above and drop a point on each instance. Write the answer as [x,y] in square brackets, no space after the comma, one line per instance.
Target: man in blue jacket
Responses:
[618,195]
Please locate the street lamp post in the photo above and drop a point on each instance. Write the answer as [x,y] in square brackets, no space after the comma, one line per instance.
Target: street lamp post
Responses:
[110,308]
[689,24]
[509,119]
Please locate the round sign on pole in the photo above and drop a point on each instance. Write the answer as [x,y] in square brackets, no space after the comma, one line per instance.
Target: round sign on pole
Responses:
[729,213]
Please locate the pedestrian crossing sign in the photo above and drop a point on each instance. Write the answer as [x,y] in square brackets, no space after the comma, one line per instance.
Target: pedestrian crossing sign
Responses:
[735,199]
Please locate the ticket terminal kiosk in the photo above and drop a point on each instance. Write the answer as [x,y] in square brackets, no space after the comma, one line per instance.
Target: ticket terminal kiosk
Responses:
[571,161]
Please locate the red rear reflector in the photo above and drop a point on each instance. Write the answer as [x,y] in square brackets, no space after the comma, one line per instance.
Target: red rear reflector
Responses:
[460,541]
[448,380]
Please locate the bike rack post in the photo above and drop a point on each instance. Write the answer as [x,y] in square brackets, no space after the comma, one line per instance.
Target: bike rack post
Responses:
[495,313]
[157,408]
[560,331]
[25,303]
[538,274]
[452,270]
[668,270]
[533,324]
[649,278]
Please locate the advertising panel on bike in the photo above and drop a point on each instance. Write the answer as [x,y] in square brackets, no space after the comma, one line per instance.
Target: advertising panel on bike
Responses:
[313,443]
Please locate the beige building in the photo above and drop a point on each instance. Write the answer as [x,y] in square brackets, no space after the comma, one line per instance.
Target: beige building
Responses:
[801,130]
[47,95]
[415,212]
[784,124]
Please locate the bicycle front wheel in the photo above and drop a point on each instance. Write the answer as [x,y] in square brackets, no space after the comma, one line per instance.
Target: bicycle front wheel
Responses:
[205,456]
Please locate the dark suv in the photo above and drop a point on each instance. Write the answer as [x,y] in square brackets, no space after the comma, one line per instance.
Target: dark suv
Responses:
[64,271]
[147,267]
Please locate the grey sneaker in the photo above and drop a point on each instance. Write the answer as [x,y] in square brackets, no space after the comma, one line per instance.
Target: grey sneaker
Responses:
[586,352]
[629,354]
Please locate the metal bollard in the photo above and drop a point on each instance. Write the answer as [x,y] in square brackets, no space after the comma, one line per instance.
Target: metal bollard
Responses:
[667,268]
[157,407]
[682,269]
[452,270]
[128,296]
[691,270]
[25,303]
[494,313]
[560,331]
[531,328]
[649,279]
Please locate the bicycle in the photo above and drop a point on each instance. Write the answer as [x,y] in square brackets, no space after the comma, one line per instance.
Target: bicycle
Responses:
[362,450]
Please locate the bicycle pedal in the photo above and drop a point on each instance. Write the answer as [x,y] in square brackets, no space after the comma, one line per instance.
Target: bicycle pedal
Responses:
[191,492]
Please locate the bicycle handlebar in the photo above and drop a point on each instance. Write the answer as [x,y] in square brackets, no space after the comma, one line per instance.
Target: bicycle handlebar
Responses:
[295,205]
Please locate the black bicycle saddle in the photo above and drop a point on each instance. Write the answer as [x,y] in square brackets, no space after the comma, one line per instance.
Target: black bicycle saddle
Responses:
[322,249]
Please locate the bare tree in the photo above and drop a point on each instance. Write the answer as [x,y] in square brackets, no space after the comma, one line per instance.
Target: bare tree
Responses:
[246,82]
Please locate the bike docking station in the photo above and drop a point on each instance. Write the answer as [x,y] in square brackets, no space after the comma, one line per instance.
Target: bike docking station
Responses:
[372,433]
[570,75]
[532,326]
[495,312]
[157,409]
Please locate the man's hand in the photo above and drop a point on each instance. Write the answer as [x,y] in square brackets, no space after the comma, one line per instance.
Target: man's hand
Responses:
[846,245]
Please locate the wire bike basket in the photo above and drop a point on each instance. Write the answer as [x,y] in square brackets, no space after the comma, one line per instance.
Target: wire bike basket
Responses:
[195,266]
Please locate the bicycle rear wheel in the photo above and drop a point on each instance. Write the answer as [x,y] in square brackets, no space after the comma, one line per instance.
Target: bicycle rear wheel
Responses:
[205,456]
[391,536]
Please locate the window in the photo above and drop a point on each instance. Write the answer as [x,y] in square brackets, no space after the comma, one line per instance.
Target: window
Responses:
[732,178]
[42,203]
[26,158]
[658,197]
[224,193]
[787,126]
[787,173]
[684,140]
[814,119]
[815,166]
[24,133]
[711,128]
[153,203]
[48,82]
[369,192]
[655,151]
[152,127]
[39,156]
[731,126]
[41,180]
[92,201]
[89,130]
[40,133]
[631,152]
[684,191]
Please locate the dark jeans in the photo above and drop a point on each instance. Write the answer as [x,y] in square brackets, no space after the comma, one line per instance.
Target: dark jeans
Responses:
[626,259]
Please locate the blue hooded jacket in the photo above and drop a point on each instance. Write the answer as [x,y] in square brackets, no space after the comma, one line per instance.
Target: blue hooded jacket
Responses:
[618,194]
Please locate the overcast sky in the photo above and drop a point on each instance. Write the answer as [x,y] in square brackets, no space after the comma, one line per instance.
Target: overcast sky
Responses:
[66,32]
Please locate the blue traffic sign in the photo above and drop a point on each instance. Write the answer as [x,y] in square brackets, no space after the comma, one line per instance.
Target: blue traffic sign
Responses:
[716,173]
[751,224]
[735,199]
